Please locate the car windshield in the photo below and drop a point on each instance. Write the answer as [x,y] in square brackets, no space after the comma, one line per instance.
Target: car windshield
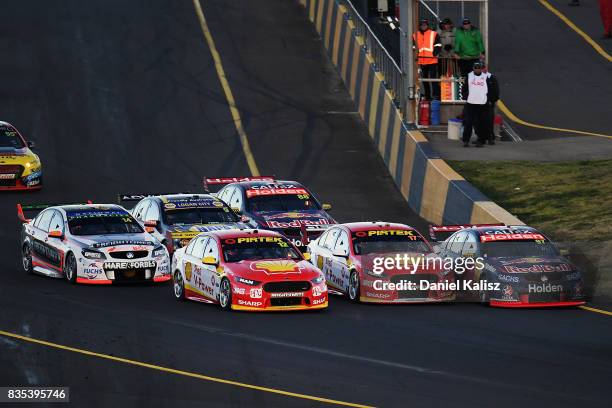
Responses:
[242,249]
[389,244]
[215,215]
[283,202]
[102,223]
[10,138]
[522,248]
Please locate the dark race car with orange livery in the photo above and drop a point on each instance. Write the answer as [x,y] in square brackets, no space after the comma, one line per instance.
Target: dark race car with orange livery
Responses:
[251,270]
[287,207]
[347,254]
[519,266]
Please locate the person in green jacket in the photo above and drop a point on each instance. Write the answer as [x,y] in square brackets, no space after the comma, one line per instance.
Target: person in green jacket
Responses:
[469,47]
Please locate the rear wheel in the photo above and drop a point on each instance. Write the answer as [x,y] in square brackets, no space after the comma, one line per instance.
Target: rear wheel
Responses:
[354,287]
[70,268]
[179,286]
[225,294]
[26,258]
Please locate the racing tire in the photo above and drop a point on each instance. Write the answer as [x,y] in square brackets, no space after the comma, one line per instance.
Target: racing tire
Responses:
[26,259]
[178,286]
[225,295]
[354,287]
[70,268]
[483,295]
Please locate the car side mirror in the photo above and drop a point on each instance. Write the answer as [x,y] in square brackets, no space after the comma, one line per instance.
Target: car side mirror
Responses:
[210,260]
[340,253]
[151,225]
[327,207]
[56,234]
[30,144]
[306,256]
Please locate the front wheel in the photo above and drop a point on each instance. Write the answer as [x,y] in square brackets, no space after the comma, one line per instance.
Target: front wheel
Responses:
[225,294]
[26,258]
[354,287]
[70,268]
[179,286]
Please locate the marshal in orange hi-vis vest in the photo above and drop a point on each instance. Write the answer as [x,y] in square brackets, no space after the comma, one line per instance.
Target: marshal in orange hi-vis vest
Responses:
[425,47]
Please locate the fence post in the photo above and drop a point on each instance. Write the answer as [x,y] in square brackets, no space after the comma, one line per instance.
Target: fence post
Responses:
[407,57]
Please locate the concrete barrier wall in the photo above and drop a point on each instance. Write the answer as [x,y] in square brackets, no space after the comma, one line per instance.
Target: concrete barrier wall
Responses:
[431,187]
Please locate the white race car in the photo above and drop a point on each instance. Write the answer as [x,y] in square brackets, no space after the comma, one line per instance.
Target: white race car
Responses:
[91,243]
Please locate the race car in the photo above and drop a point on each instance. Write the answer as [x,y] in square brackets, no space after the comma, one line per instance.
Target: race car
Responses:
[514,266]
[348,253]
[20,168]
[174,219]
[91,244]
[253,270]
[283,206]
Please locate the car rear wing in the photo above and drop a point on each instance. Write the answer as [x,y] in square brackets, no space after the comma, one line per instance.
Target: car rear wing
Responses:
[36,208]
[442,232]
[207,182]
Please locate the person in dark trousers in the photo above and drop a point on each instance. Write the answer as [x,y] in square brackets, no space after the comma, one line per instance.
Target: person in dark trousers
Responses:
[426,44]
[493,95]
[482,91]
[469,47]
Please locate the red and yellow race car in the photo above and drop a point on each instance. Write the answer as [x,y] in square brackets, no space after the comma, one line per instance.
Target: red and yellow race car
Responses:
[20,168]
[349,255]
[254,270]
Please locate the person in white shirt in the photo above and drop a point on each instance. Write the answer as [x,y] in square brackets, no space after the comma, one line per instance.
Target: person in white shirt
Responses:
[482,91]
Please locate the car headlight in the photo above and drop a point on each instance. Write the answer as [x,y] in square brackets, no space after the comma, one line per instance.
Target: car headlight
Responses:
[159,251]
[89,254]
[32,165]
[249,282]
[318,279]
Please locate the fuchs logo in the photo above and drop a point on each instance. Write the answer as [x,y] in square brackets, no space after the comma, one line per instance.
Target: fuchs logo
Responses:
[271,267]
[296,223]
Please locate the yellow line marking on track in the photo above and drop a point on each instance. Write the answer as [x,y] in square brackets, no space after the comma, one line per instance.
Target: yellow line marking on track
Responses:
[594,310]
[581,33]
[244,140]
[180,372]
[502,106]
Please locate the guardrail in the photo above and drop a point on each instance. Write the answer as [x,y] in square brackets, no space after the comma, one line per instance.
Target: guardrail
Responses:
[384,63]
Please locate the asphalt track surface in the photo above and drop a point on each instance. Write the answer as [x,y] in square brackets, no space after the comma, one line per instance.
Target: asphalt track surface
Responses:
[548,74]
[122,96]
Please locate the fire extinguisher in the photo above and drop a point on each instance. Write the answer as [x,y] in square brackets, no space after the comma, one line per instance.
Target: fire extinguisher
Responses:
[424,109]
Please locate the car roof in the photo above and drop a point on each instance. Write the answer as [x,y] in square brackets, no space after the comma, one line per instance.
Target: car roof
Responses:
[249,184]
[92,207]
[375,226]
[240,233]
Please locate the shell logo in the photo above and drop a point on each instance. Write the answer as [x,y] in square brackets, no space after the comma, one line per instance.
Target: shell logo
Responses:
[281,266]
